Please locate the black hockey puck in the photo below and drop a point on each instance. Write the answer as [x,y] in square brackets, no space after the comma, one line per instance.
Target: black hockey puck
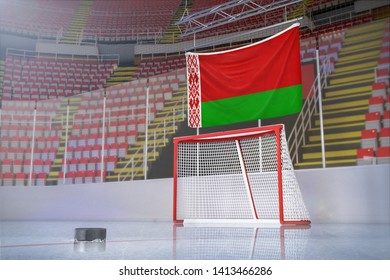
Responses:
[90,234]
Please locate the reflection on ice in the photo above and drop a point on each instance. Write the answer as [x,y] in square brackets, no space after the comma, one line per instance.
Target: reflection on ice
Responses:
[241,243]
[28,240]
[89,246]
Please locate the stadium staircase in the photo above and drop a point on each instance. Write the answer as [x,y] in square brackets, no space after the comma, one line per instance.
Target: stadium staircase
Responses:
[166,122]
[345,100]
[56,165]
[131,167]
[121,74]
[171,35]
[74,102]
[74,33]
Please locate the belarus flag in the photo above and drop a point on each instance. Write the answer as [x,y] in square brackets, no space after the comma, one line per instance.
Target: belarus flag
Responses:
[258,81]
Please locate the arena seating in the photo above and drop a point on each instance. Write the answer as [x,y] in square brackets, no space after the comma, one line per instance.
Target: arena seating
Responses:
[352,98]
[365,156]
[387,102]
[379,89]
[370,139]
[44,78]
[378,118]
[36,17]
[335,27]
[129,20]
[373,120]
[86,149]
[386,119]
[45,153]
[79,177]
[383,155]
[17,152]
[329,45]
[152,67]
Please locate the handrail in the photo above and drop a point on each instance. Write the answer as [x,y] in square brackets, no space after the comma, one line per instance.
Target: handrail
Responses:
[132,13]
[304,120]
[129,34]
[141,149]
[35,54]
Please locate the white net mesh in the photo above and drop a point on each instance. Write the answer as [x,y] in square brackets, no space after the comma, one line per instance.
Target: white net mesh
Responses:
[294,206]
[236,177]
[260,160]
[211,181]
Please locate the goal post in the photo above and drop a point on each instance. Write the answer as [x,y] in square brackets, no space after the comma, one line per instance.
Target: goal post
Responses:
[236,176]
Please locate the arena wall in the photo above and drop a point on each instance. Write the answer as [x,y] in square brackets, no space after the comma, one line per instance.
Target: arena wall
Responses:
[359,194]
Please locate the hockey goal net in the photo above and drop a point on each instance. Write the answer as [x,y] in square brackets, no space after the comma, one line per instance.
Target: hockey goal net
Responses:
[240,175]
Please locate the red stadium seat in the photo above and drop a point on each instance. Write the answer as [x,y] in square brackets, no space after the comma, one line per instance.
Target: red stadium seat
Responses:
[6,166]
[26,165]
[365,156]
[386,119]
[70,176]
[41,179]
[73,164]
[78,152]
[38,166]
[8,179]
[383,155]
[98,177]
[384,137]
[387,102]
[379,89]
[79,177]
[375,104]
[20,179]
[82,165]
[111,163]
[369,139]
[373,120]
[17,166]
[89,176]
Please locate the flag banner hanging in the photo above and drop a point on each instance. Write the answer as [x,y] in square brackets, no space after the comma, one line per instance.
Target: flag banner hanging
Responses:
[258,81]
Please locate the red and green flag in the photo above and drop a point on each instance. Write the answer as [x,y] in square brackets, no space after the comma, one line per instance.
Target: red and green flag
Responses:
[258,81]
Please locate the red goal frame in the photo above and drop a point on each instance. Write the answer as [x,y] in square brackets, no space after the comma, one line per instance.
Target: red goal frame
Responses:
[237,135]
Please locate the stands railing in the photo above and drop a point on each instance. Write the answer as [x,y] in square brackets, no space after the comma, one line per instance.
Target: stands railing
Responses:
[34,54]
[44,137]
[310,107]
[138,35]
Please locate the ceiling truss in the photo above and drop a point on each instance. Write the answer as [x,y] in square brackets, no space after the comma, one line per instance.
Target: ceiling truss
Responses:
[228,12]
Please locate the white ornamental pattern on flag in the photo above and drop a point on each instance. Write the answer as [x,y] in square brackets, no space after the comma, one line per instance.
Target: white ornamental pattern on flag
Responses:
[193,90]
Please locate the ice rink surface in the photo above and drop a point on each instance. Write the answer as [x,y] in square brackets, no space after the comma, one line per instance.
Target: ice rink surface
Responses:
[52,240]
